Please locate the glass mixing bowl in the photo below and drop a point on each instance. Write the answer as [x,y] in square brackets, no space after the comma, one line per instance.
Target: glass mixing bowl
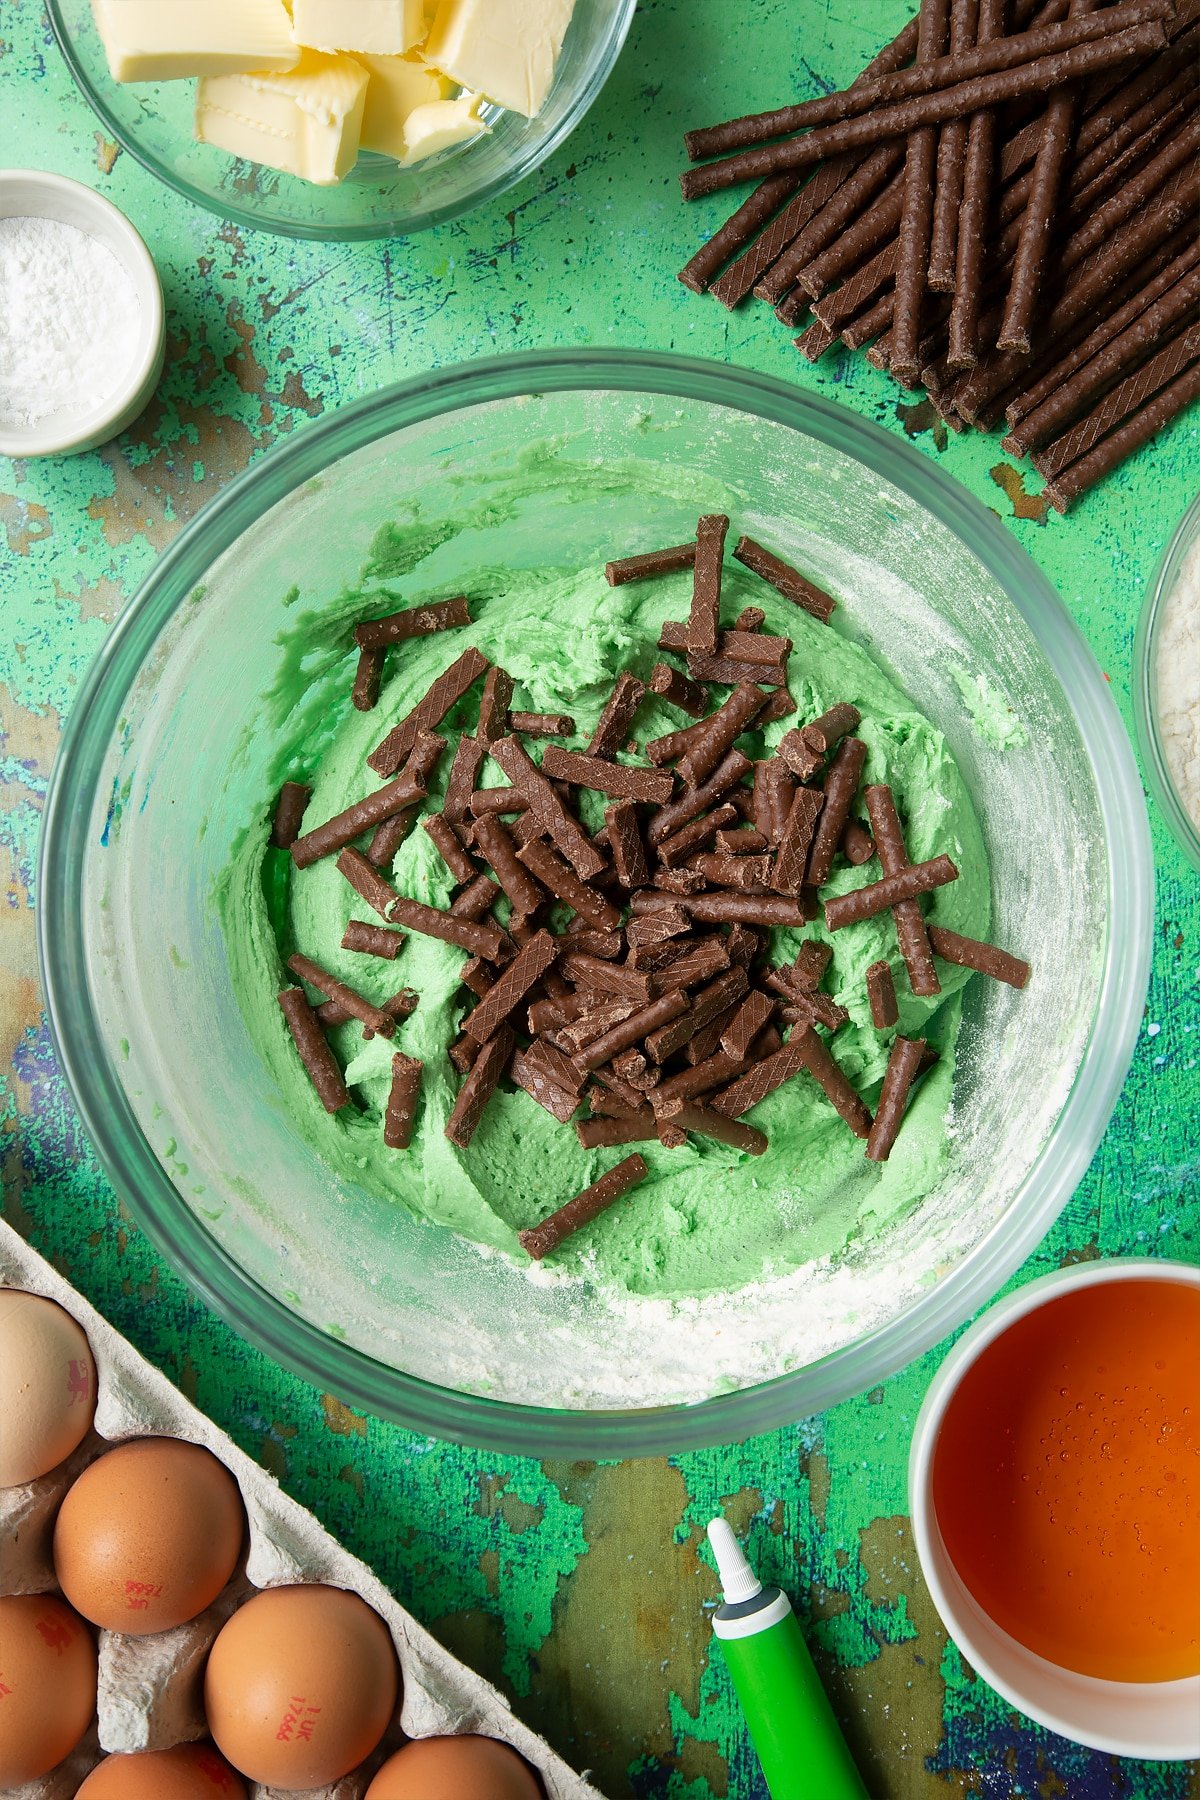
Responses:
[405,1319]
[1147,666]
[153,120]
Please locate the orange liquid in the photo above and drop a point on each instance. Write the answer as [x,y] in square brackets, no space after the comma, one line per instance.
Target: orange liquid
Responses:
[1066,1480]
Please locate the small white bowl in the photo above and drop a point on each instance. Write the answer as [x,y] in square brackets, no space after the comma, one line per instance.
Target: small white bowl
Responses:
[31,193]
[1151,1719]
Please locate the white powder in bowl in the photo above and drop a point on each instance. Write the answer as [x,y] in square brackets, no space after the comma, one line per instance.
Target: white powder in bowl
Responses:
[1177,678]
[69,321]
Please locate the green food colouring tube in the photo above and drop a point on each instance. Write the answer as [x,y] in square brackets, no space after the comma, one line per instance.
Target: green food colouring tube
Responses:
[792,1727]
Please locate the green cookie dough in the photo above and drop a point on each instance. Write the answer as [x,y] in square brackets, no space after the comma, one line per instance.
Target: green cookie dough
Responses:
[706,1219]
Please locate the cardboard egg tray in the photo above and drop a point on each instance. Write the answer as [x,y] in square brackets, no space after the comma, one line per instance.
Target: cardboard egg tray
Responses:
[151,1688]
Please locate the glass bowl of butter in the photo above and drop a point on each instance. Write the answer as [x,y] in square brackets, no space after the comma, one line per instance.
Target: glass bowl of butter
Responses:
[341,119]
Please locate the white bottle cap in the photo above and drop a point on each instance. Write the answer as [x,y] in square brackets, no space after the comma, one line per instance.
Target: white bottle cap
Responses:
[738,1580]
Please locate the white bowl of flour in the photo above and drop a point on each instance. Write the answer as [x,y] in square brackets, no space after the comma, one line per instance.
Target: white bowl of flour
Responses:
[81,317]
[1167,683]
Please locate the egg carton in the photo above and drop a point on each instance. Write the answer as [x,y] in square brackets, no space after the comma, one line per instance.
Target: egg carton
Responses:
[151,1688]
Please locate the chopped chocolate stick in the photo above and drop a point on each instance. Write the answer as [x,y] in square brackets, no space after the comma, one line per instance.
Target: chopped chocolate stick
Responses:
[652,787]
[463,1053]
[706,1123]
[622,981]
[751,874]
[699,963]
[497,802]
[313,1051]
[879,896]
[496,847]
[831,727]
[799,755]
[841,220]
[713,1072]
[932,73]
[670,685]
[724,908]
[372,940]
[903,1063]
[732,646]
[633,1029]
[529,1071]
[547,809]
[607,945]
[368,882]
[751,618]
[779,706]
[973,213]
[323,840]
[831,1080]
[657,927]
[289,814]
[675,744]
[494,704]
[367,677]
[1115,357]
[812,960]
[402,1100]
[948,171]
[1128,397]
[615,721]
[625,844]
[476,899]
[796,840]
[605,1105]
[729,671]
[696,800]
[969,953]
[881,995]
[524,972]
[754,211]
[632,1067]
[523,927]
[751,1016]
[772,797]
[375,1018]
[476,976]
[597,1019]
[815,341]
[469,756]
[816,1009]
[761,1079]
[857,846]
[651,562]
[705,614]
[841,785]
[1017,82]
[449,847]
[911,934]
[716,739]
[449,688]
[472,935]
[398,1007]
[1038,219]
[478,1088]
[542,724]
[745,841]
[556,875]
[712,1002]
[602,1134]
[681,881]
[414,621]
[790,583]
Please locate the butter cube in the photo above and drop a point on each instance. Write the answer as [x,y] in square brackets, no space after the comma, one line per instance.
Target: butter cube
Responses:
[159,40]
[382,27]
[397,85]
[505,49]
[307,122]
[442,123]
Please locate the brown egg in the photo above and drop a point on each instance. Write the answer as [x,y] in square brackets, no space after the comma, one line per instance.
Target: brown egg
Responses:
[189,1772]
[301,1685]
[148,1535]
[455,1768]
[47,1684]
[47,1386]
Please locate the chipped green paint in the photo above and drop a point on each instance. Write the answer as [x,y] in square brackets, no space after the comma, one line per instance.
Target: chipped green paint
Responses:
[580,1588]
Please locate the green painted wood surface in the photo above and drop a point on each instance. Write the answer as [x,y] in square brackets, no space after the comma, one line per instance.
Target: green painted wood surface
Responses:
[580,1588]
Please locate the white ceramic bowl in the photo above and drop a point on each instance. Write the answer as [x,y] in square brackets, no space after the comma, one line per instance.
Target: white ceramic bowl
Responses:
[31,193]
[1151,1719]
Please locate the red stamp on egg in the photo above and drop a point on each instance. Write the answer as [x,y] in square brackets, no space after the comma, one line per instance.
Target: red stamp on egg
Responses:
[298,1722]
